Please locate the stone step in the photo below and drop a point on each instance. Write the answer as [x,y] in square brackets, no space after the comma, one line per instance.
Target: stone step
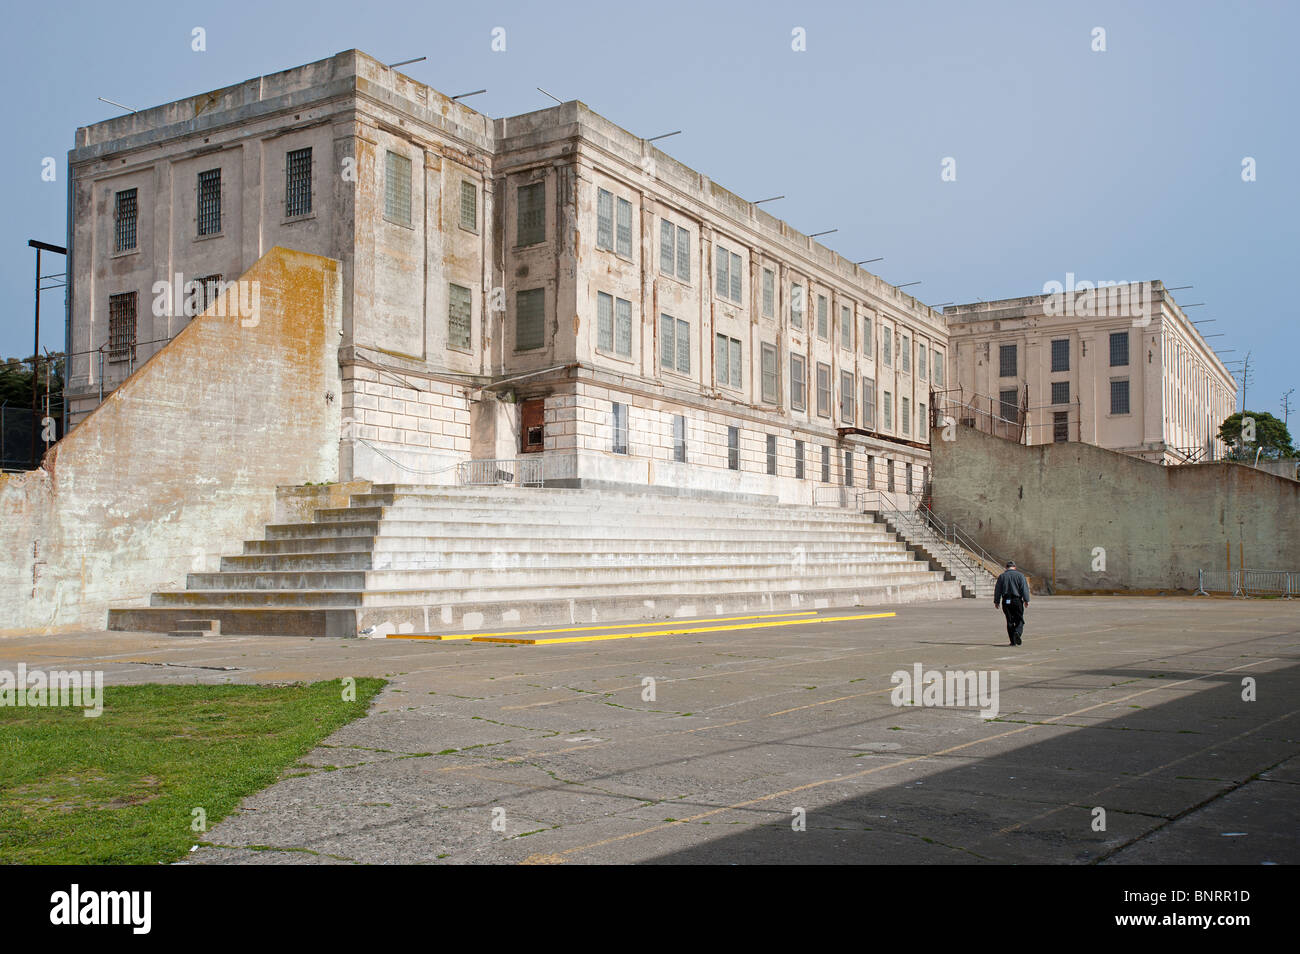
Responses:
[368,507]
[505,529]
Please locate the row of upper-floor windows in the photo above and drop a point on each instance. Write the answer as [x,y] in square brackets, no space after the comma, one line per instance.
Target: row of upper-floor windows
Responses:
[1009,363]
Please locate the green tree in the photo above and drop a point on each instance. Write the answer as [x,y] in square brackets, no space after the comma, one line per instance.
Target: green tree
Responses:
[1249,432]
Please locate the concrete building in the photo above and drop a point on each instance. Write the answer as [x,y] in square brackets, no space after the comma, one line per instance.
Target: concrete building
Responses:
[1119,366]
[546,284]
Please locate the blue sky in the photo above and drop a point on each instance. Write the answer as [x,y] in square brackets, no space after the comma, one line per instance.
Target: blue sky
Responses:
[1116,165]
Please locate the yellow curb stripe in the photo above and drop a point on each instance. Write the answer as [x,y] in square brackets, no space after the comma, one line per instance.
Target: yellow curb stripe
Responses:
[677,631]
[580,629]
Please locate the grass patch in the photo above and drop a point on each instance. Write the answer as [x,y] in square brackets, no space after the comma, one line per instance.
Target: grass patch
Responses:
[122,788]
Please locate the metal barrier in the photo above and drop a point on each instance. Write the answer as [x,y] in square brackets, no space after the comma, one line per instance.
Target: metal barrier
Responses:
[1248,582]
[520,472]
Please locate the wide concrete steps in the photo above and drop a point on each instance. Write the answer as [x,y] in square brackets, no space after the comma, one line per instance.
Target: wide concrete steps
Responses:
[409,559]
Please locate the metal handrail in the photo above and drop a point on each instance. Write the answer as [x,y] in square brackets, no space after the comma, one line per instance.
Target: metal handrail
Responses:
[519,471]
[950,537]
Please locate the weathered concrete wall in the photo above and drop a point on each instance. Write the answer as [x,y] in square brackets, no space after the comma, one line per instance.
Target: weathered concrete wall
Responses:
[180,464]
[1157,524]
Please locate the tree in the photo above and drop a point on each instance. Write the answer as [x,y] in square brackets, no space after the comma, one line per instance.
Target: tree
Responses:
[1247,432]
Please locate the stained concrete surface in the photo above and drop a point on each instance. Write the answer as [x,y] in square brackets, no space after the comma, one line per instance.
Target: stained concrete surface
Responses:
[1133,705]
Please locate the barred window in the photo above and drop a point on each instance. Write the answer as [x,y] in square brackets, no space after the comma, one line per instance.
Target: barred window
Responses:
[1060,426]
[1060,392]
[679,438]
[469,206]
[667,247]
[769,389]
[530,317]
[848,392]
[826,464]
[887,411]
[798,460]
[920,360]
[397,189]
[1009,410]
[733,448]
[938,369]
[210,202]
[604,220]
[846,327]
[769,292]
[796,306]
[728,362]
[871,472]
[922,423]
[906,413]
[530,223]
[727,265]
[1119,349]
[771,454]
[866,336]
[848,468]
[613,324]
[618,420]
[674,344]
[623,237]
[297,182]
[1061,354]
[907,354]
[121,326]
[886,347]
[623,327]
[1119,397]
[823,390]
[823,318]
[1007,361]
[868,402]
[798,383]
[683,254]
[459,315]
[124,220]
[201,293]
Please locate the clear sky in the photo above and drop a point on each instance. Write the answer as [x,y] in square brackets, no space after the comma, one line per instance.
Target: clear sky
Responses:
[1117,165]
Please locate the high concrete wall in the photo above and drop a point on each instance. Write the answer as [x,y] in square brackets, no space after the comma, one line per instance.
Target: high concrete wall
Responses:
[180,464]
[1156,524]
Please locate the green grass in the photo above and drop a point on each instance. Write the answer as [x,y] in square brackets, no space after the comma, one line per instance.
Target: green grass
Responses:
[122,788]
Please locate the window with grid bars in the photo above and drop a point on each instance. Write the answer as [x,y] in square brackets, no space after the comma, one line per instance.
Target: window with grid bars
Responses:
[906,414]
[1061,354]
[887,347]
[1060,426]
[468,206]
[459,316]
[733,448]
[798,460]
[530,222]
[771,454]
[674,250]
[1007,361]
[846,327]
[297,182]
[729,279]
[826,464]
[1060,392]
[769,293]
[938,369]
[209,212]
[1009,401]
[796,306]
[920,360]
[798,383]
[397,189]
[769,386]
[922,423]
[1119,349]
[848,468]
[907,478]
[1119,400]
[623,229]
[121,326]
[866,336]
[906,345]
[679,438]
[613,324]
[206,290]
[674,344]
[728,362]
[604,220]
[618,420]
[887,411]
[124,220]
[823,390]
[868,402]
[848,393]
[530,318]
[871,472]
[823,318]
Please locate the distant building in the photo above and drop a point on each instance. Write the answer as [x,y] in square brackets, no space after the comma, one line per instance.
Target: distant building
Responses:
[546,283]
[1121,367]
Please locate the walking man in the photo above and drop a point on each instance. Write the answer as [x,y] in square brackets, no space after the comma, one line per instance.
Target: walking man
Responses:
[1012,592]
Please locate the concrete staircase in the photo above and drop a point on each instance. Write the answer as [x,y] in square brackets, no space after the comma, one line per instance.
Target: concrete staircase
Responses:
[421,559]
[969,569]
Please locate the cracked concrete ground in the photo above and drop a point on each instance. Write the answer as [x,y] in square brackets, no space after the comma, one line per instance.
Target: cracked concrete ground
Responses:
[1131,705]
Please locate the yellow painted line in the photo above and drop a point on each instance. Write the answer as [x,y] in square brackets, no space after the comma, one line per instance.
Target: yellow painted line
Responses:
[677,630]
[580,629]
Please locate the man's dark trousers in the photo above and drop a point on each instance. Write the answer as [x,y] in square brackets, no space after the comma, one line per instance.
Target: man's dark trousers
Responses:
[1014,611]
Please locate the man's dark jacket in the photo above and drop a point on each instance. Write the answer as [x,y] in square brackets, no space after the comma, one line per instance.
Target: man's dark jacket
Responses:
[1012,583]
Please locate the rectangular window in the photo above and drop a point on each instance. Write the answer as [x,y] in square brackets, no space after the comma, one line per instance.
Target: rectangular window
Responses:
[530,317]
[1060,392]
[297,182]
[1009,402]
[866,336]
[604,322]
[729,279]
[848,392]
[618,420]
[1061,354]
[530,221]
[826,464]
[727,370]
[938,369]
[1060,426]
[679,438]
[458,318]
[769,389]
[922,424]
[769,293]
[848,468]
[889,476]
[771,454]
[210,202]
[907,415]
[871,472]
[1119,349]
[469,206]
[920,360]
[823,318]
[886,347]
[868,402]
[846,327]
[683,255]
[397,189]
[121,326]
[887,411]
[674,344]
[798,460]
[735,278]
[613,324]
[623,238]
[798,384]
[733,448]
[823,390]
[907,354]
[623,327]
[604,220]
[1119,397]
[210,288]
[796,306]
[667,247]
[1007,361]
[907,478]
[124,220]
